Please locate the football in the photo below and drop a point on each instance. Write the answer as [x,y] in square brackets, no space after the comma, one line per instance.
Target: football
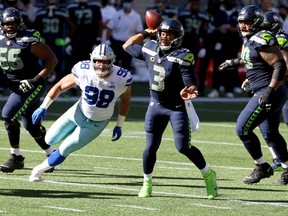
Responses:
[153,19]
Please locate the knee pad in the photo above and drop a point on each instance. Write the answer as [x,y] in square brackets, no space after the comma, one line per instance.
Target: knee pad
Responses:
[11,125]
[37,133]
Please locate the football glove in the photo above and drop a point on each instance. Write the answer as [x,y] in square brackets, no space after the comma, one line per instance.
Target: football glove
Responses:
[28,84]
[117,133]
[246,86]
[229,64]
[265,100]
[38,115]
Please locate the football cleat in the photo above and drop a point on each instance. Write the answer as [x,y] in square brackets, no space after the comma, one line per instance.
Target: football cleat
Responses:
[14,162]
[35,176]
[211,184]
[146,190]
[260,172]
[284,178]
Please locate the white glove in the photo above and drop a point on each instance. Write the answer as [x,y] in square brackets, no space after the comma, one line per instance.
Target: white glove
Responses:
[246,86]
[25,86]
[69,50]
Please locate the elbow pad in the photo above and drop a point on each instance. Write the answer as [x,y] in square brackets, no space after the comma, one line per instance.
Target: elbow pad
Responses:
[279,70]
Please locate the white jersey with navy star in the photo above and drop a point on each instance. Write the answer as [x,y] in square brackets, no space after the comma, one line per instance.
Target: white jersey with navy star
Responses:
[99,95]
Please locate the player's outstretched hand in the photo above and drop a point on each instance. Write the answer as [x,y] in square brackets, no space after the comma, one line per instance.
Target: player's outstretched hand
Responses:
[188,93]
[117,133]
[38,115]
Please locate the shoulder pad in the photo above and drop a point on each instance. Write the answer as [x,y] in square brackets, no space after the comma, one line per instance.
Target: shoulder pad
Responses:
[263,38]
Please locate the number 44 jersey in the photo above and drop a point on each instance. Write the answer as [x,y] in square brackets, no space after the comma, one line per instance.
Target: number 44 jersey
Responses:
[99,95]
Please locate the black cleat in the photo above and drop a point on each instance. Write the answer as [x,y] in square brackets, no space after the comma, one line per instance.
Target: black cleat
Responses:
[14,162]
[284,178]
[260,172]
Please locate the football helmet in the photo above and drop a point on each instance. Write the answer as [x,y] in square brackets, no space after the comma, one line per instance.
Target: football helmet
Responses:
[100,53]
[11,15]
[273,21]
[172,26]
[253,15]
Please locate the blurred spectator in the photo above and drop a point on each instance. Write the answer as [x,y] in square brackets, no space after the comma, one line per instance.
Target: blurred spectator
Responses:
[228,46]
[207,51]
[125,23]
[88,21]
[195,24]
[56,30]
[164,9]
[267,5]
[107,12]
[283,12]
[30,9]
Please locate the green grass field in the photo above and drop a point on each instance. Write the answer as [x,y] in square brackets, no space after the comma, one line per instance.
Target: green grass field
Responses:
[104,177]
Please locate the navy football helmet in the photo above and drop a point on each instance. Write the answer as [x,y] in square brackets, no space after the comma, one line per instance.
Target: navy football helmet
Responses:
[273,21]
[253,15]
[172,26]
[11,15]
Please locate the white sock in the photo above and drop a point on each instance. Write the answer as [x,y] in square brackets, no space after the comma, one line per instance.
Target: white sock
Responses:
[148,176]
[15,151]
[204,170]
[260,160]
[49,150]
[285,165]
[42,167]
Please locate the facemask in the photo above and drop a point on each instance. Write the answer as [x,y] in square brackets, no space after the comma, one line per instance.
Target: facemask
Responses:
[127,5]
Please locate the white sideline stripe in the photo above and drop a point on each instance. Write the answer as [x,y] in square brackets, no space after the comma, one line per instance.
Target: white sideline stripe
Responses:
[132,159]
[210,206]
[65,209]
[154,192]
[108,168]
[138,207]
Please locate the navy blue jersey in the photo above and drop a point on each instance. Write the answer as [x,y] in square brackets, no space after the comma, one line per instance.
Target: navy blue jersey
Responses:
[168,74]
[17,62]
[52,25]
[86,17]
[258,71]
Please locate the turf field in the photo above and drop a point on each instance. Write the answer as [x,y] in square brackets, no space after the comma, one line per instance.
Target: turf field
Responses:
[104,177]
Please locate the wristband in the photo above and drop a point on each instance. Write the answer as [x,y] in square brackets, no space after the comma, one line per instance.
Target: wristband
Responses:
[120,120]
[67,40]
[145,34]
[46,103]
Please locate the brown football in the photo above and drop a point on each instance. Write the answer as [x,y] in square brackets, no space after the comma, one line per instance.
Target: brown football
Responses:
[153,19]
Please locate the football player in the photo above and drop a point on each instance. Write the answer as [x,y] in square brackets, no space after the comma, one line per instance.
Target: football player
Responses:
[25,62]
[102,83]
[265,71]
[172,80]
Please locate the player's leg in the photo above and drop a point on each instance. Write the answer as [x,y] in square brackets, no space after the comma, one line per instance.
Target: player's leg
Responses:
[182,138]
[83,133]
[251,117]
[155,123]
[12,126]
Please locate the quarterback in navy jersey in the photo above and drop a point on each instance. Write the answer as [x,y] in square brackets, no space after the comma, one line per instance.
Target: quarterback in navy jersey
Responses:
[172,80]
[265,70]
[21,52]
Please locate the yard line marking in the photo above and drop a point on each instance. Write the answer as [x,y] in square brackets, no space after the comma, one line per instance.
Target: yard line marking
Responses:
[247,202]
[108,168]
[138,207]
[65,209]
[210,206]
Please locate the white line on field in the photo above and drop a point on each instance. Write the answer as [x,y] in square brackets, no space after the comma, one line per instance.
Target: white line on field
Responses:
[210,206]
[246,202]
[138,207]
[65,209]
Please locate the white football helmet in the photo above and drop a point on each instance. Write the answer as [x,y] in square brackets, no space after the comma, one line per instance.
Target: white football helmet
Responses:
[100,53]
